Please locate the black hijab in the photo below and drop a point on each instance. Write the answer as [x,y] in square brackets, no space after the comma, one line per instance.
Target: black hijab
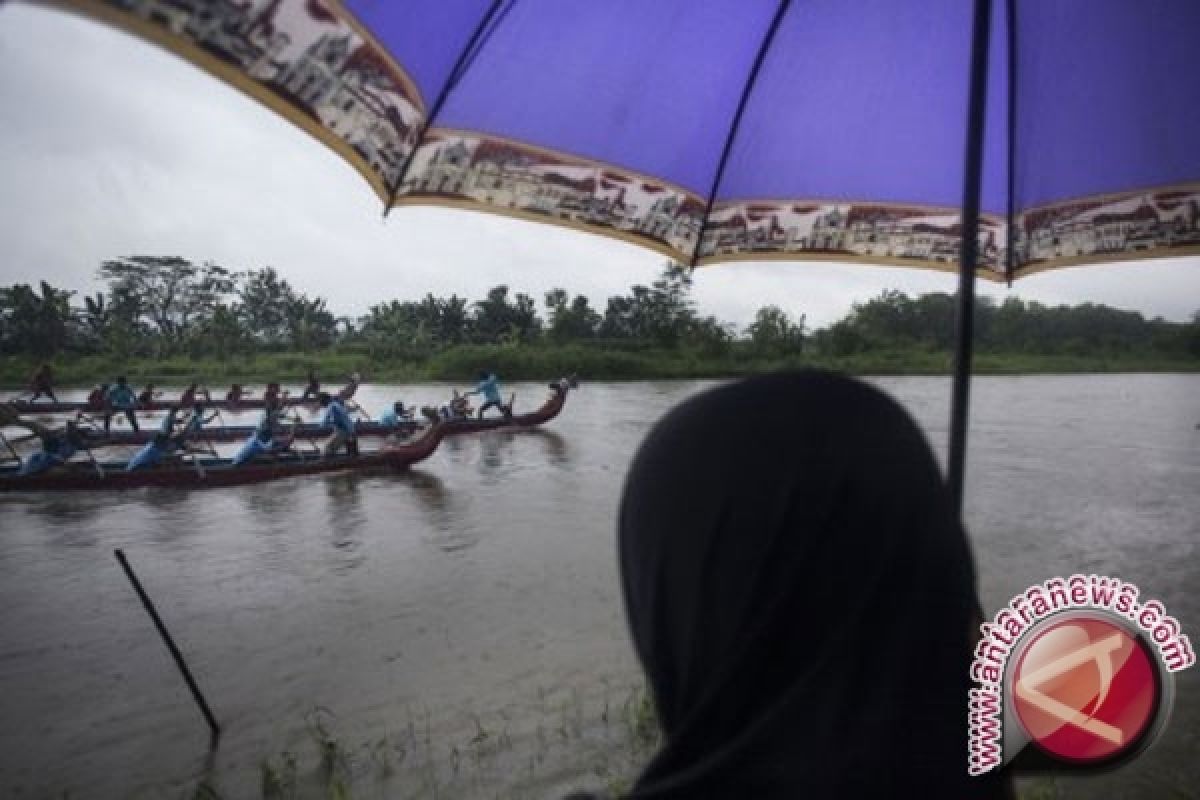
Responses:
[800,594]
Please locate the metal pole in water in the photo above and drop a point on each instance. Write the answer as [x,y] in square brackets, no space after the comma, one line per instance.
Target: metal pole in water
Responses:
[175,654]
[968,258]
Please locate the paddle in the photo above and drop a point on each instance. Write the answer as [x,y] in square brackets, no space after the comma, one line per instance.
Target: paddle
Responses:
[10,416]
[81,416]
[292,438]
[11,449]
[92,458]
[23,438]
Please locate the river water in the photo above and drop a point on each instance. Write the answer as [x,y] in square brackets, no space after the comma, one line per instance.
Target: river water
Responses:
[457,630]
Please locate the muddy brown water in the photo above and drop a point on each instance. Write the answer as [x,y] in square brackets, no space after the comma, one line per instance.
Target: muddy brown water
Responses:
[457,630]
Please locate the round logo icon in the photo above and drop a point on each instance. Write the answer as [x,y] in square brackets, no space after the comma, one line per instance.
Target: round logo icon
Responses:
[1086,690]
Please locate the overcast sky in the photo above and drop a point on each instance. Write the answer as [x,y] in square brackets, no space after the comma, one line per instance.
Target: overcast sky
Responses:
[111,147]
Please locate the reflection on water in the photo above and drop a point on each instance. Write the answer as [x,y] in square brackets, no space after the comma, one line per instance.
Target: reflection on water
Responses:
[477,594]
[345,519]
[554,443]
[495,447]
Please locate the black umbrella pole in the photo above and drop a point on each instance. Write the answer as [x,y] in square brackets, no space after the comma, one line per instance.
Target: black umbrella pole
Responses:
[969,257]
[197,695]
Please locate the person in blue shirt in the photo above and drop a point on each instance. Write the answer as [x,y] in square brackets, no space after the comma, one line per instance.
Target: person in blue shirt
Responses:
[337,417]
[489,387]
[264,441]
[188,428]
[261,443]
[396,415]
[57,447]
[153,453]
[195,422]
[121,398]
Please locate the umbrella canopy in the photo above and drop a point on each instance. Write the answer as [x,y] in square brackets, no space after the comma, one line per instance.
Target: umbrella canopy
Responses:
[749,129]
[741,129]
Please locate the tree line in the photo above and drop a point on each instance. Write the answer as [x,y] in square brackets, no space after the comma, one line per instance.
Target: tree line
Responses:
[159,307]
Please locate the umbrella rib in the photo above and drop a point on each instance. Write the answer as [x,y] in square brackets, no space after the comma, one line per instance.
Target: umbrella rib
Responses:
[969,253]
[469,51]
[759,57]
[1011,23]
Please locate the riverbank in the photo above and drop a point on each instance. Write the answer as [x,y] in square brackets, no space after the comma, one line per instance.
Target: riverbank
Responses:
[588,361]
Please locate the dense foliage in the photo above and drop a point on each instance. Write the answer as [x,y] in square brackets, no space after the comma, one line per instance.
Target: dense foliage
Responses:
[166,308]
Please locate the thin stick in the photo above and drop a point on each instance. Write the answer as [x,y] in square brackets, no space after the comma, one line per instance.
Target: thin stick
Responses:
[11,449]
[95,463]
[195,464]
[175,654]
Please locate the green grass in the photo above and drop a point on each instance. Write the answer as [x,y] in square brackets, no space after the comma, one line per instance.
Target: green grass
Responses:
[566,736]
[544,361]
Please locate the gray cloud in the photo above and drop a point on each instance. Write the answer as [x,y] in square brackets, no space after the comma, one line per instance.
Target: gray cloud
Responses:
[110,146]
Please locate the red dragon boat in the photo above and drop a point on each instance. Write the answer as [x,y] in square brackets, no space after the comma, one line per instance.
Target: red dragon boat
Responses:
[205,473]
[208,473]
[365,429]
[72,406]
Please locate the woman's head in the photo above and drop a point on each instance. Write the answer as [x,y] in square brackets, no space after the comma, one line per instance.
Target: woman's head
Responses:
[799,592]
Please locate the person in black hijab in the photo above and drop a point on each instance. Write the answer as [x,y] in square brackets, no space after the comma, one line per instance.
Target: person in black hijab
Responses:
[801,596]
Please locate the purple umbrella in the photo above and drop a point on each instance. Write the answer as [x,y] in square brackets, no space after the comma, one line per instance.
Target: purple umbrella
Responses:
[749,129]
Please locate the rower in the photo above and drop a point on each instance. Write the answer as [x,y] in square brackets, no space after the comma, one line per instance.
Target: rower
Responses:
[194,423]
[236,393]
[346,395]
[313,389]
[148,396]
[273,395]
[42,383]
[152,453]
[254,447]
[97,401]
[338,418]
[263,442]
[194,391]
[489,387]
[121,398]
[57,447]
[460,406]
[396,415]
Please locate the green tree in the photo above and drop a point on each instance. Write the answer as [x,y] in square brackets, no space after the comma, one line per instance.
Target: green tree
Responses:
[1191,336]
[264,304]
[774,333]
[661,313]
[570,319]
[710,336]
[37,321]
[499,320]
[221,333]
[309,324]
[174,294]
